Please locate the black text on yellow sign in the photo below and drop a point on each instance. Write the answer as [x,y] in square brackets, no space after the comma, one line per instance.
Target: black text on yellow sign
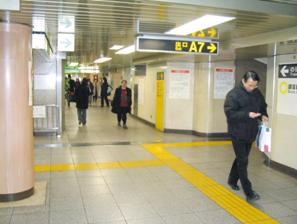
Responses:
[177,46]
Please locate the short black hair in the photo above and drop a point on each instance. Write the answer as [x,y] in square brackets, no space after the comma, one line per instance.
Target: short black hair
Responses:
[251,75]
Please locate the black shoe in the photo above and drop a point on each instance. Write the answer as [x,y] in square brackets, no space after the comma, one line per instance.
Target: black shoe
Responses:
[119,124]
[252,197]
[234,187]
[125,126]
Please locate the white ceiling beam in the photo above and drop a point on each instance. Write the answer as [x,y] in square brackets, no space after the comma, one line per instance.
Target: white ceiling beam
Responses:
[244,5]
[266,38]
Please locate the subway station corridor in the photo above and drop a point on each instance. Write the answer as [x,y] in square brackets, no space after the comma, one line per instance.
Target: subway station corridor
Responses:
[103,174]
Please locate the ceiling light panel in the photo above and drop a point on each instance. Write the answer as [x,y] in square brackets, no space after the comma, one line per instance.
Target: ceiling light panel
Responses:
[127,50]
[200,23]
[103,59]
[116,47]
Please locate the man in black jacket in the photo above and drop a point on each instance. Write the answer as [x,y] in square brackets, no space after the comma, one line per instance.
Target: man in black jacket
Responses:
[121,103]
[244,107]
[82,101]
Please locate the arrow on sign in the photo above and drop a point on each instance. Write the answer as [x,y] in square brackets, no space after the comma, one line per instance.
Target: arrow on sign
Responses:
[66,22]
[211,48]
[66,42]
[212,32]
[201,33]
[284,71]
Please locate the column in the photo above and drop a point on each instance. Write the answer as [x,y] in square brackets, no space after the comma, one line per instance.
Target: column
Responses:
[16,129]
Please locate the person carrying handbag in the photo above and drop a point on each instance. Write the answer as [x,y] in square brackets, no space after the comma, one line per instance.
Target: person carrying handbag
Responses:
[244,107]
[121,103]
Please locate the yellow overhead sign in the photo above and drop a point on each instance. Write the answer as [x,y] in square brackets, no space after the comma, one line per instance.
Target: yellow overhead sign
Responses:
[211,32]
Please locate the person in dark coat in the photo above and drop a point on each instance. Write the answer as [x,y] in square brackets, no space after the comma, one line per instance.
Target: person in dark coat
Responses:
[121,104]
[82,101]
[71,90]
[245,108]
[104,92]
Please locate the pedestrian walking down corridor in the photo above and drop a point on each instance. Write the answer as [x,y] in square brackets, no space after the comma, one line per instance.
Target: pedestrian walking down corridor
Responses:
[104,93]
[121,104]
[245,108]
[82,101]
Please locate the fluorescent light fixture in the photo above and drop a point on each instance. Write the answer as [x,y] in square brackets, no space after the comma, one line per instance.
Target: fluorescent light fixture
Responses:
[127,50]
[73,64]
[116,47]
[103,59]
[200,23]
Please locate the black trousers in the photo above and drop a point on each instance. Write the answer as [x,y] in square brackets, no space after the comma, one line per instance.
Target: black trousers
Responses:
[104,98]
[122,115]
[240,165]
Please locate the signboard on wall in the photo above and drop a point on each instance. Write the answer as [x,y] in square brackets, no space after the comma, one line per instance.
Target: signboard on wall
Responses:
[66,24]
[10,5]
[287,89]
[160,101]
[39,112]
[179,83]
[44,82]
[224,80]
[66,42]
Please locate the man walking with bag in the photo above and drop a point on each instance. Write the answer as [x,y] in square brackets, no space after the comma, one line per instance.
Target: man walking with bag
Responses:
[244,107]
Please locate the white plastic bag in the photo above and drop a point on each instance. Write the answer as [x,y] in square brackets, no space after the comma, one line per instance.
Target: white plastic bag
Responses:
[263,139]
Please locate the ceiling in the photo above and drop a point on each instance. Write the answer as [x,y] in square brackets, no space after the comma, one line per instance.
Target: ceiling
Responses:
[292,2]
[101,23]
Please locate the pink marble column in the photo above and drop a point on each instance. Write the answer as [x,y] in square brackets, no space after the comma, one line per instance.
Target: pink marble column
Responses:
[16,123]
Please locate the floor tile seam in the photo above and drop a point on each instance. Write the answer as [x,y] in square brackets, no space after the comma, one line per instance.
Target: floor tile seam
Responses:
[150,148]
[81,198]
[49,146]
[114,198]
[282,203]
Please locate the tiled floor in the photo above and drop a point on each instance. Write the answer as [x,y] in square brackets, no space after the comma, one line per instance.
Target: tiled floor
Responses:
[129,193]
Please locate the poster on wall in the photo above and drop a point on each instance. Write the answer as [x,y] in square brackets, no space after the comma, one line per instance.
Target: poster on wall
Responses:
[287,89]
[179,83]
[44,82]
[224,80]
[39,112]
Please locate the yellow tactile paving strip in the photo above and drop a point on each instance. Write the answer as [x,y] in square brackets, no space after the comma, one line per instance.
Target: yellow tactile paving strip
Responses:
[226,199]
[95,166]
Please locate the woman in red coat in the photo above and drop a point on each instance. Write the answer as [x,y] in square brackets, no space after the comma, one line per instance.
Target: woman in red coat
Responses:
[121,104]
